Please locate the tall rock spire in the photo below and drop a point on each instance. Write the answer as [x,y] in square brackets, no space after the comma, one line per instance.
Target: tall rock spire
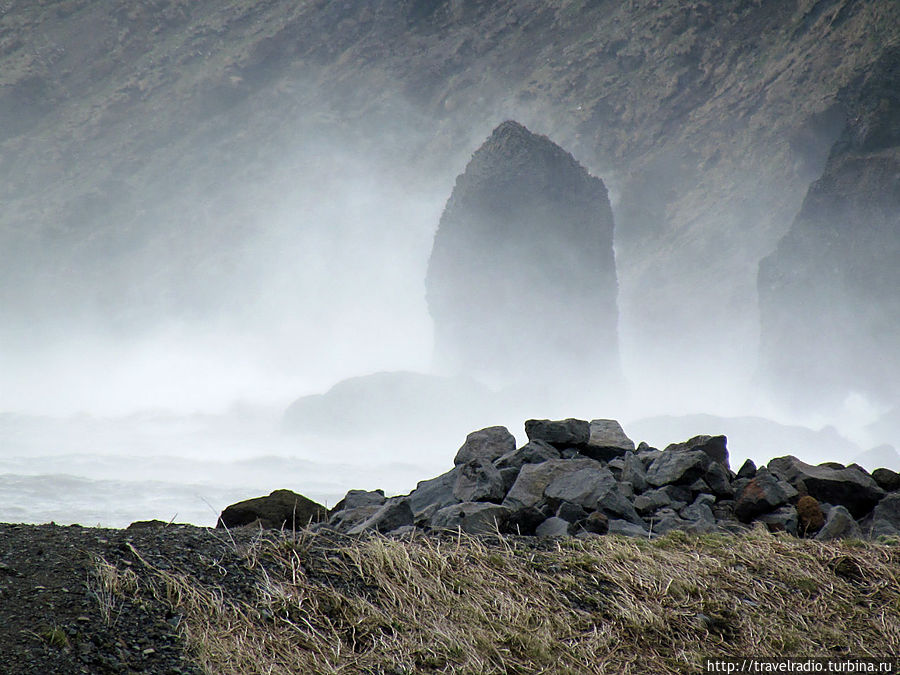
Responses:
[522,281]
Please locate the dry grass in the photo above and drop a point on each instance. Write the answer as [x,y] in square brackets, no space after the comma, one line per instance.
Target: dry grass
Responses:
[605,605]
[111,586]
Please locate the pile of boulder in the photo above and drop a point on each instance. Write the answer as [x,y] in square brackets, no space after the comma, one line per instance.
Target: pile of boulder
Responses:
[580,478]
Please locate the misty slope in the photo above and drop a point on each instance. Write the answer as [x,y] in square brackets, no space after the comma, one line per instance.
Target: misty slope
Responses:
[193,159]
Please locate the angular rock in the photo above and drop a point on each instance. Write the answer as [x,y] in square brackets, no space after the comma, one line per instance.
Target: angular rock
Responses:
[677,467]
[571,512]
[346,519]
[616,465]
[790,492]
[568,433]
[714,447]
[433,494]
[623,527]
[533,452]
[634,472]
[887,480]
[747,470]
[478,480]
[394,513]
[471,517]
[761,495]
[646,454]
[704,498]
[851,488]
[597,523]
[809,516]
[607,440]
[782,519]
[356,498]
[509,475]
[679,494]
[526,227]
[888,510]
[699,486]
[650,501]
[528,490]
[280,509]
[594,488]
[698,512]
[488,444]
[667,520]
[554,527]
[525,521]
[882,528]
[719,480]
[839,525]
[626,489]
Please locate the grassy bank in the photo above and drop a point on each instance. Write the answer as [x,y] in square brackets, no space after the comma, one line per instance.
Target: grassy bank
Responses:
[455,604]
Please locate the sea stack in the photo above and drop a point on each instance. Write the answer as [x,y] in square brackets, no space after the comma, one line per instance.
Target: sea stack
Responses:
[521,282]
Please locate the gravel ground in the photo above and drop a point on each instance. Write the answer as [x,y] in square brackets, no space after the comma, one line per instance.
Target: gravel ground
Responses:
[56,616]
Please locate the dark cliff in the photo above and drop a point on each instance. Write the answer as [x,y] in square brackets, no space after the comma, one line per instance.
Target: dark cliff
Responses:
[828,294]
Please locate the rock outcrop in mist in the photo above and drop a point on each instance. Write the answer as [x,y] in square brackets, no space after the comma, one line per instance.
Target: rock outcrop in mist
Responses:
[830,309]
[522,279]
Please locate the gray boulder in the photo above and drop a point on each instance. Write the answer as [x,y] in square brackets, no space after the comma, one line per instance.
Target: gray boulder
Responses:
[666,520]
[524,522]
[434,494]
[566,433]
[839,525]
[887,480]
[597,523]
[595,489]
[677,467]
[634,472]
[623,527]
[848,487]
[761,495]
[356,498]
[888,510]
[782,519]
[478,480]
[554,527]
[471,517]
[394,513]
[571,512]
[652,500]
[747,470]
[280,509]
[533,452]
[714,447]
[488,444]
[719,480]
[606,441]
[698,512]
[346,519]
[533,479]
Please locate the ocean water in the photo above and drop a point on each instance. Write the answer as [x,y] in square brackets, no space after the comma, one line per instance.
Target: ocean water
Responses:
[114,471]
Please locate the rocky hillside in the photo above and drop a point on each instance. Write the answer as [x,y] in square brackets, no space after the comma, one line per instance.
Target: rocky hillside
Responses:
[830,310]
[152,155]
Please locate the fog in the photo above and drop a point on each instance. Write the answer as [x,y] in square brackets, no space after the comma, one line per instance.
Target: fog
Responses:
[117,404]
